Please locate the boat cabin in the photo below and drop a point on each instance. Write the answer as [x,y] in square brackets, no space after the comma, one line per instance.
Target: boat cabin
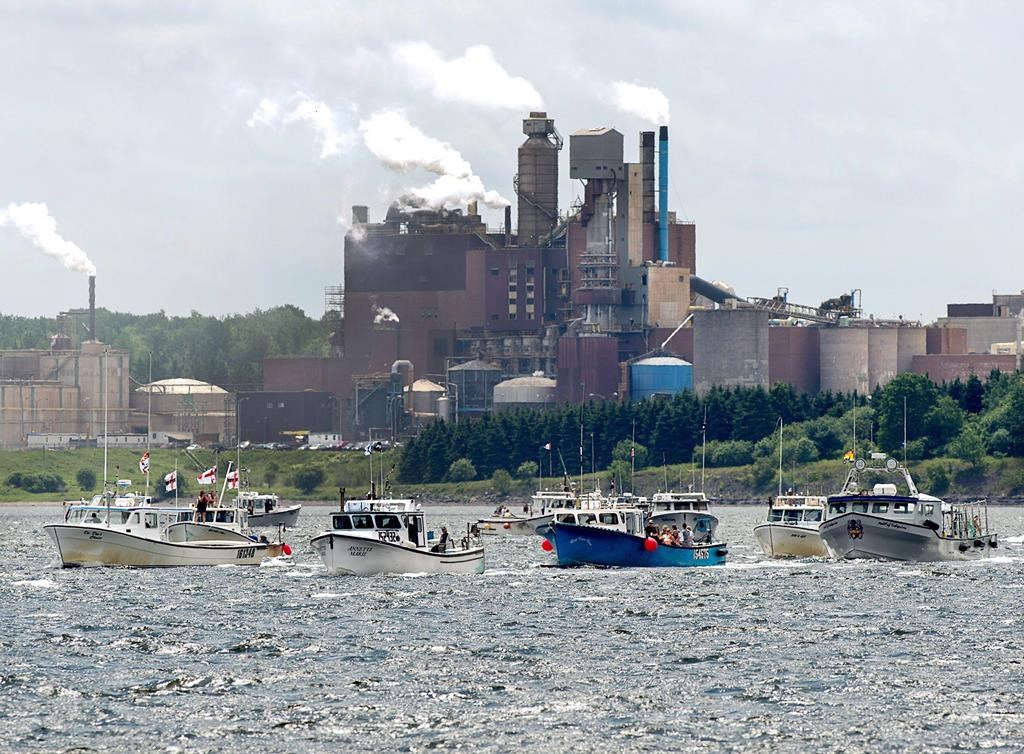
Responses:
[627,520]
[386,520]
[258,504]
[796,515]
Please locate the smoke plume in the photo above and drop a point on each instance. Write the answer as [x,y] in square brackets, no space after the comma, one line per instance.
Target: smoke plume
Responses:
[381,315]
[399,145]
[642,101]
[476,78]
[317,115]
[33,221]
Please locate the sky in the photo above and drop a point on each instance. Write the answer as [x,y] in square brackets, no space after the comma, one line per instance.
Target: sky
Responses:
[204,154]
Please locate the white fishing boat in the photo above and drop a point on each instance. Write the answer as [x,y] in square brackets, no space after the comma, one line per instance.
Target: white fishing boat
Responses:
[791,527]
[374,536]
[128,529]
[266,510]
[690,508]
[894,521]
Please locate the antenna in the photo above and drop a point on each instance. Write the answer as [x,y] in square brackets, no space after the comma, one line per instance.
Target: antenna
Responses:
[780,456]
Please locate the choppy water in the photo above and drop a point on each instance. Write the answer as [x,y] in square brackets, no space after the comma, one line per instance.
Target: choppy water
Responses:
[757,656]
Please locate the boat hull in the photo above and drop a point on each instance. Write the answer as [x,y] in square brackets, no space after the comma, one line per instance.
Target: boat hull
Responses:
[590,545]
[513,527]
[345,555]
[86,545]
[192,531]
[787,541]
[286,517]
[859,535]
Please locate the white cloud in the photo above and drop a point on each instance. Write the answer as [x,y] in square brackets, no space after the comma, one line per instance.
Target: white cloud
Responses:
[476,78]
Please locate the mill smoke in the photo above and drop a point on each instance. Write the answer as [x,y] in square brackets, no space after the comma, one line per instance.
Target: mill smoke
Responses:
[399,145]
[642,101]
[382,314]
[33,221]
[476,78]
[317,115]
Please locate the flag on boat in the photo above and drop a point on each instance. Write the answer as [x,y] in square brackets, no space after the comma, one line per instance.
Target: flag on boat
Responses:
[232,479]
[208,477]
[171,481]
[848,456]
[144,463]
[547,447]
[371,447]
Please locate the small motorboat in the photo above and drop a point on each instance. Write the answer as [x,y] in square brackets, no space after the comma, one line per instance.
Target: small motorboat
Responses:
[127,529]
[618,536]
[266,510]
[376,536]
[874,519]
[791,527]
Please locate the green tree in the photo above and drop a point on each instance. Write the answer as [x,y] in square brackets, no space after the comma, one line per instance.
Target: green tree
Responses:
[621,453]
[729,453]
[1013,418]
[920,396]
[526,471]
[938,480]
[461,470]
[501,480]
[970,446]
[308,479]
[86,479]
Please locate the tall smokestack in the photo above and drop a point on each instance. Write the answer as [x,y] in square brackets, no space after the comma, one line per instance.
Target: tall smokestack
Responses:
[508,226]
[92,307]
[647,175]
[663,194]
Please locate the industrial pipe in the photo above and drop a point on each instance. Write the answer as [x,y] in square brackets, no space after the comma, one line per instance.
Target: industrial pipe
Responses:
[663,194]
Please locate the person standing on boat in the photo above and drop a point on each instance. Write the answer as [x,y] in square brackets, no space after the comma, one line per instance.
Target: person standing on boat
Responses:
[687,536]
[201,504]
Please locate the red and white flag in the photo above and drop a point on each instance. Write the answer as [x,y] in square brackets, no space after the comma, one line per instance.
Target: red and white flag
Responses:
[232,479]
[208,477]
[547,446]
[144,463]
[171,481]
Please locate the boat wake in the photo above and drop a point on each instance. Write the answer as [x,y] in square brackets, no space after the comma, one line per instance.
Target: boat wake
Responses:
[37,583]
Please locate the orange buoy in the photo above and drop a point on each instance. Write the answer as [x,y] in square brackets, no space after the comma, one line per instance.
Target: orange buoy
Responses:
[650,544]
[287,549]
[546,545]
[509,526]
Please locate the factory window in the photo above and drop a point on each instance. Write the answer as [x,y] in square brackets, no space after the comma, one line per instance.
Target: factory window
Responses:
[529,299]
[270,404]
[512,301]
[682,278]
[511,315]
[529,270]
[643,280]
[280,404]
[494,316]
[529,287]
[511,287]
[494,270]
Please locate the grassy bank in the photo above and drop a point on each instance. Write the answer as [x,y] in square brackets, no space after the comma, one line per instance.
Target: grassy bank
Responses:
[276,471]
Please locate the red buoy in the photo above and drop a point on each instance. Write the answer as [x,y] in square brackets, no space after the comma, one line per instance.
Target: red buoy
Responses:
[287,549]
[650,544]
[508,525]
[546,546]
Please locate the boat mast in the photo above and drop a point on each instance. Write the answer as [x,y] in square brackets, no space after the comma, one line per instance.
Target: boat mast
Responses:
[149,414]
[632,457]
[703,447]
[103,382]
[224,486]
[780,456]
[904,431]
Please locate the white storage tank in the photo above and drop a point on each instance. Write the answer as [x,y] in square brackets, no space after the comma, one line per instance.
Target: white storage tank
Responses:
[524,392]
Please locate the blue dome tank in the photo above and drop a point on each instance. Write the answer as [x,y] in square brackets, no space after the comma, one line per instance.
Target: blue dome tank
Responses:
[659,375]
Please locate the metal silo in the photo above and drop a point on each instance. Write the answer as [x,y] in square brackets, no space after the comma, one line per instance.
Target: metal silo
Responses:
[474,384]
[524,392]
[537,181]
[659,375]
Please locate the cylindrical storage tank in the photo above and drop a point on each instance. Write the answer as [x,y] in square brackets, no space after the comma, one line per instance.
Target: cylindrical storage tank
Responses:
[425,395]
[524,392]
[659,375]
[444,409]
[474,386]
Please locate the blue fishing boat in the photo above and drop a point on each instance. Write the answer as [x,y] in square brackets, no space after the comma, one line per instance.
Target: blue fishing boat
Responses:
[617,537]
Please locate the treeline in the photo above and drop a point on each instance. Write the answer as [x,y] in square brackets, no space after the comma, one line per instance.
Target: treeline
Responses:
[227,351]
[968,420]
